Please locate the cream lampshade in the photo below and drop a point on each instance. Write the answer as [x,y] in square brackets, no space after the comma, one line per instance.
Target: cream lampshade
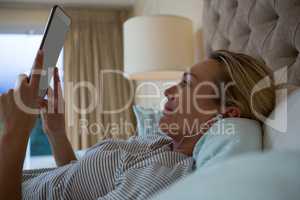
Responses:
[158,47]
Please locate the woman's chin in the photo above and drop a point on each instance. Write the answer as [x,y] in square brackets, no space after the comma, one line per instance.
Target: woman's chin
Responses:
[175,138]
[170,126]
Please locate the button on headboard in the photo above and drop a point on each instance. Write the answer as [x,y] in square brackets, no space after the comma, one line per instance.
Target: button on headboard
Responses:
[265,29]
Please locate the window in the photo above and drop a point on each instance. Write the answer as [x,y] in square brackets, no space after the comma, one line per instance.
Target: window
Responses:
[17,55]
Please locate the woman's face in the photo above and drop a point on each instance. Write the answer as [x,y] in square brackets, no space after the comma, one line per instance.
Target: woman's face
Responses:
[193,101]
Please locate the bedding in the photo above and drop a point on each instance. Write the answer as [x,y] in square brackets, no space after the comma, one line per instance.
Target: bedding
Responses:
[283,132]
[141,166]
[228,137]
[259,176]
[266,29]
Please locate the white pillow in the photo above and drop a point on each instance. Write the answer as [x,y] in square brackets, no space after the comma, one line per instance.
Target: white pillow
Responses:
[259,176]
[228,137]
[285,113]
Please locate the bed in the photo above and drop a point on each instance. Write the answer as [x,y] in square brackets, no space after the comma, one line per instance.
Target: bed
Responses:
[268,30]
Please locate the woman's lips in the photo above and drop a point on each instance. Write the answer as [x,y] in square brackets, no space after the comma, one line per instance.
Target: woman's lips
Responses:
[168,109]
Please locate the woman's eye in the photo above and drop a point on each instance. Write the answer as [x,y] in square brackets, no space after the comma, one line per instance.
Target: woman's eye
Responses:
[184,82]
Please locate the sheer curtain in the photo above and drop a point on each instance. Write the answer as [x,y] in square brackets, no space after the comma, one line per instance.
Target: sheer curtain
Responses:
[93,58]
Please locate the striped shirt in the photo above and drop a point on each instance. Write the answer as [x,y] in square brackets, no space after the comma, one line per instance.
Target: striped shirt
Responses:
[114,169]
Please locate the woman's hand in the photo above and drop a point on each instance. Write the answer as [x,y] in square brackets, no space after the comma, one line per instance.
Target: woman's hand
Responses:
[52,110]
[53,119]
[18,113]
[18,107]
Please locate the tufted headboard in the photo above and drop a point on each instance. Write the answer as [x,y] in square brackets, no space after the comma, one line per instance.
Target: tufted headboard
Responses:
[265,29]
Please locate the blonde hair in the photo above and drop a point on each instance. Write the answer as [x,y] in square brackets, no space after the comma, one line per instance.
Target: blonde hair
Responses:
[245,72]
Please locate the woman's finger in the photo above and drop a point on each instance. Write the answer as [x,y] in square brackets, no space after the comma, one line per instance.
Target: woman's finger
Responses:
[50,94]
[57,82]
[56,75]
[51,103]
[59,102]
[22,80]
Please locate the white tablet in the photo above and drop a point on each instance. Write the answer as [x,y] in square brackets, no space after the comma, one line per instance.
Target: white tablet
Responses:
[53,41]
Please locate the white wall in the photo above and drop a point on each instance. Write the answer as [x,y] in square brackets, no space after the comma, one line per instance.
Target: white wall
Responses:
[191,9]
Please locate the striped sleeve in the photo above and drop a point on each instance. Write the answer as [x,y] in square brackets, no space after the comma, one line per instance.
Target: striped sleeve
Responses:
[141,184]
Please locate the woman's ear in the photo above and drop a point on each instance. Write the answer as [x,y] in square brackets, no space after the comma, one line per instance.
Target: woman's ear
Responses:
[232,111]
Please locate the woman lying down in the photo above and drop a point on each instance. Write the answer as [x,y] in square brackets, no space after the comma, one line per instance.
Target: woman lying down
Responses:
[141,166]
